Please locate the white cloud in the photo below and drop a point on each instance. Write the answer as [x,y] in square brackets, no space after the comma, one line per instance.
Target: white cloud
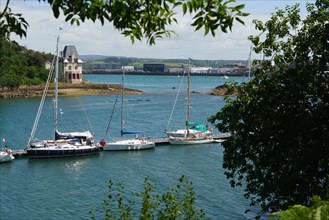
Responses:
[91,38]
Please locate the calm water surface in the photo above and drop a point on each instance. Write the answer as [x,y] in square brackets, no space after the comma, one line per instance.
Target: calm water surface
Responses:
[68,188]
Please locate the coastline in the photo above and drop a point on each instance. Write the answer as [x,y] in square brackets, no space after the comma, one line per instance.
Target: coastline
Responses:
[118,72]
[66,89]
[84,89]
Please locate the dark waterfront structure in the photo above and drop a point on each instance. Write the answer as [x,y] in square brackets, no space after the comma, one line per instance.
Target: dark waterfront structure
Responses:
[154,67]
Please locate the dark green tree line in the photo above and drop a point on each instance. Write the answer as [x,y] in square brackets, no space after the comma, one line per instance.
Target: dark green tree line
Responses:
[20,65]
[279,121]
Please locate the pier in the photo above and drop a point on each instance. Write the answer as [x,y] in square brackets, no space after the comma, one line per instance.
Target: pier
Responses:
[158,142]
[19,153]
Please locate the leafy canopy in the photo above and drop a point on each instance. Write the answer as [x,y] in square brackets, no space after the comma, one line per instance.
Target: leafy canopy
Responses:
[20,65]
[279,121]
[12,23]
[136,19]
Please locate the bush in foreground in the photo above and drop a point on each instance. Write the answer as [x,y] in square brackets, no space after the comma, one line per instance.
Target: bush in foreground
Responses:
[176,203]
[318,211]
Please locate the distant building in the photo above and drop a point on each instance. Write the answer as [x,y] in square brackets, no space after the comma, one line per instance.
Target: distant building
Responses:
[200,69]
[214,70]
[175,70]
[129,68]
[71,65]
[48,65]
[148,67]
[236,68]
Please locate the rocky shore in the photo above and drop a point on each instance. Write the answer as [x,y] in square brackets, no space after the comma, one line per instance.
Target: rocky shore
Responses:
[65,89]
[222,90]
[84,89]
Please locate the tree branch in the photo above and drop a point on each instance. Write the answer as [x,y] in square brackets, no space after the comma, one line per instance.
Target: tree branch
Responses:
[4,10]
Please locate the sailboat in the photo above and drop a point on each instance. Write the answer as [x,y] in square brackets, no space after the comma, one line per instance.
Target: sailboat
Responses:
[194,132]
[194,127]
[6,155]
[127,144]
[70,144]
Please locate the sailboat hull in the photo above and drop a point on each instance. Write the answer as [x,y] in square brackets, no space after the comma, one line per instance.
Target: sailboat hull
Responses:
[129,145]
[6,156]
[183,132]
[189,141]
[67,150]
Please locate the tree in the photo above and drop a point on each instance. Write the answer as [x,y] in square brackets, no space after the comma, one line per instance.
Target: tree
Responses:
[279,121]
[176,203]
[21,66]
[12,23]
[9,80]
[135,19]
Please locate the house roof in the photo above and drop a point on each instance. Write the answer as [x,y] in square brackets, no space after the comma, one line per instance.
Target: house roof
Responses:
[70,50]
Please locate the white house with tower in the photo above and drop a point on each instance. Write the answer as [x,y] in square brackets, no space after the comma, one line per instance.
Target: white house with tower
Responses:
[71,65]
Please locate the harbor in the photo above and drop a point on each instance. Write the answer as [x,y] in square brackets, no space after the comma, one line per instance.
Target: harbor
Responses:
[70,187]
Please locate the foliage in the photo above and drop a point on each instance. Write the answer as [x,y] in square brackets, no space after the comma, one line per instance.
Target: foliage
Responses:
[12,23]
[20,65]
[318,211]
[9,80]
[137,19]
[230,87]
[176,203]
[279,120]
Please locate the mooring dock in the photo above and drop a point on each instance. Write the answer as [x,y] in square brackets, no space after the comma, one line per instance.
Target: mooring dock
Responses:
[158,143]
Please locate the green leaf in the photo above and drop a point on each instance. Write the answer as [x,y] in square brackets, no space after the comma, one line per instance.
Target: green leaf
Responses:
[68,17]
[184,8]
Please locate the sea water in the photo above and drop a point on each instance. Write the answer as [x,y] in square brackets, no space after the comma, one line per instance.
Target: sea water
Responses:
[68,188]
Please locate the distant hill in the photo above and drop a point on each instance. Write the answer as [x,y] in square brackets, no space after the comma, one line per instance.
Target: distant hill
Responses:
[115,62]
[92,57]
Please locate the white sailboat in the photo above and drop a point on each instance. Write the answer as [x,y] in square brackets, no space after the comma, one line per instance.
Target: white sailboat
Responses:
[194,132]
[69,144]
[6,155]
[193,128]
[127,144]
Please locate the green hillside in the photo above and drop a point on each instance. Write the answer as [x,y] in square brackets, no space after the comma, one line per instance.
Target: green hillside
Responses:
[20,65]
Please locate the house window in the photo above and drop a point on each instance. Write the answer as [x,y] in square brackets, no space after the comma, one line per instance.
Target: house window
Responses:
[70,67]
[78,76]
[70,75]
[73,76]
[76,67]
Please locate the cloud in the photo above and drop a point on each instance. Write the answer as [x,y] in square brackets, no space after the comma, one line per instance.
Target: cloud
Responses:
[93,39]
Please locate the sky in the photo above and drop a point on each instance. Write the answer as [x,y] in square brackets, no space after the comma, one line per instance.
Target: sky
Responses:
[94,39]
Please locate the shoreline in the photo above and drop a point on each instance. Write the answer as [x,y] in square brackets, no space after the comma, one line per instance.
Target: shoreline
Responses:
[66,89]
[117,72]
[84,89]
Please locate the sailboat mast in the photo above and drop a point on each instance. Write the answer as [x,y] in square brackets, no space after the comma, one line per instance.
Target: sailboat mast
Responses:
[188,99]
[122,91]
[56,88]
[249,64]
